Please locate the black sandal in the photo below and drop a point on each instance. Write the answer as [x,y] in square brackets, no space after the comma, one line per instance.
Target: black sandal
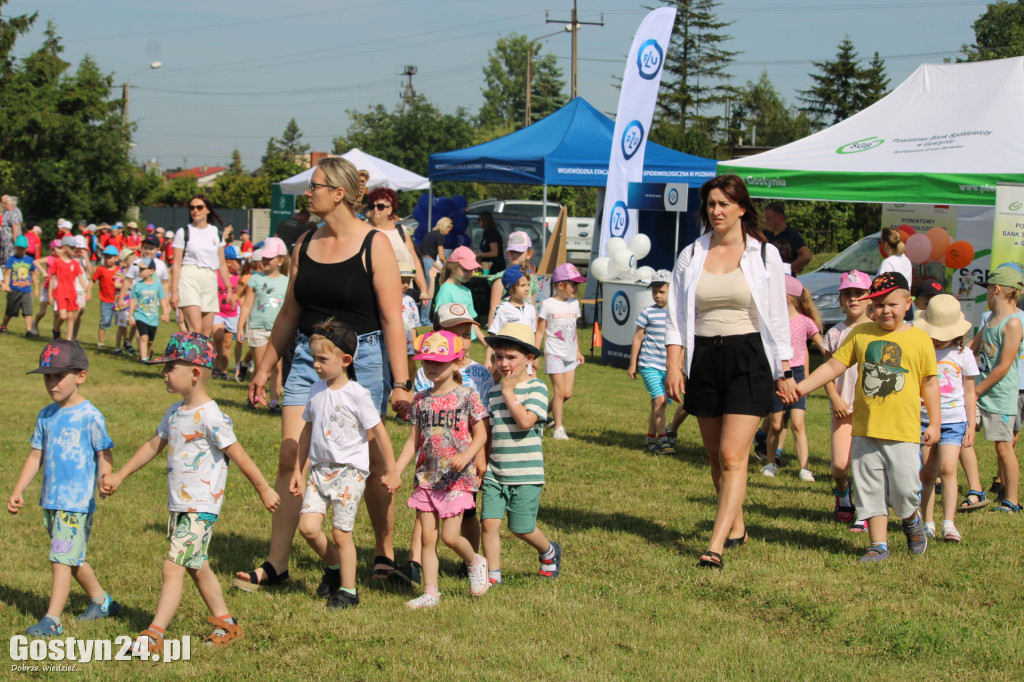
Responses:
[713,560]
[382,573]
[736,542]
[252,583]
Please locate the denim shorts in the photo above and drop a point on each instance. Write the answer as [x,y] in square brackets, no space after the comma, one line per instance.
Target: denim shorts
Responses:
[373,372]
[106,314]
[950,434]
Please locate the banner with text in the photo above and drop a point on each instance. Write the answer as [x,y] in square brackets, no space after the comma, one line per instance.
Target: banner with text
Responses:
[640,83]
[1008,226]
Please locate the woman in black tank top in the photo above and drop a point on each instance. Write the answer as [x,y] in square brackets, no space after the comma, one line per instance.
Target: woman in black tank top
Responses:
[345,270]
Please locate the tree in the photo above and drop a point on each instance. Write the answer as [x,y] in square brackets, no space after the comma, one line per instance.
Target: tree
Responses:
[235,167]
[694,78]
[760,111]
[505,84]
[289,145]
[11,28]
[842,87]
[998,33]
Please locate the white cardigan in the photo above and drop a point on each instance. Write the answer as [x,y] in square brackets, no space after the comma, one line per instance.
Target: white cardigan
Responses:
[767,282]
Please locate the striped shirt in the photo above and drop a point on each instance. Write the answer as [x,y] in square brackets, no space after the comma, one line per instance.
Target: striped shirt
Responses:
[518,457]
[652,349]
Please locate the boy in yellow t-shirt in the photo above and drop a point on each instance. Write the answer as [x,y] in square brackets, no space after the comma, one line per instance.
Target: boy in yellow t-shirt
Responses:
[897,371]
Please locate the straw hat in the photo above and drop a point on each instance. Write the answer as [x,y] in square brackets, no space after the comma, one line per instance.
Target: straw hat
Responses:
[943,321]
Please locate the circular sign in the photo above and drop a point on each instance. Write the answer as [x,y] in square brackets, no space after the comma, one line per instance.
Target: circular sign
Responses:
[632,138]
[649,59]
[618,222]
[620,308]
[673,197]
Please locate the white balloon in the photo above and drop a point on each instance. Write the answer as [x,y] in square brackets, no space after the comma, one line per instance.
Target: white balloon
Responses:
[601,268]
[645,274]
[624,260]
[640,245]
[614,245]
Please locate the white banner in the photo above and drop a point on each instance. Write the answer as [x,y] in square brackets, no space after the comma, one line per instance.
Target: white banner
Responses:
[640,83]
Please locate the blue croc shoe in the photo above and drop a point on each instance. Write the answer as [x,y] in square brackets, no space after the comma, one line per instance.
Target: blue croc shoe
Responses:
[109,607]
[47,627]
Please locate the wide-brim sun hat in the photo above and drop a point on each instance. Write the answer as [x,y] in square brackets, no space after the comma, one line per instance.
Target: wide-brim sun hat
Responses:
[943,320]
[518,333]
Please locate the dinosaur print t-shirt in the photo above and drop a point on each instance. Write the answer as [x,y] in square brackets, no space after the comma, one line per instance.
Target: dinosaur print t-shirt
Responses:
[197,469]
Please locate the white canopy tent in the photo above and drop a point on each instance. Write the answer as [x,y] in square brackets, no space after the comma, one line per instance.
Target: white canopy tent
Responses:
[946,135]
[382,174]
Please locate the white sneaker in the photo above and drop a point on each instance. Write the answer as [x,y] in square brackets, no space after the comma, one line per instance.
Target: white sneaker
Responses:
[806,475]
[770,470]
[100,345]
[425,601]
[478,582]
[560,434]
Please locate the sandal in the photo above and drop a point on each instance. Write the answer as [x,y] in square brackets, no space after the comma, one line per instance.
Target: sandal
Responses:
[250,582]
[382,573]
[736,542]
[968,506]
[1006,507]
[711,559]
[232,631]
[156,641]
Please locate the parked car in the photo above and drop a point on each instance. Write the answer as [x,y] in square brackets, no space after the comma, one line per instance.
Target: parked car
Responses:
[578,231]
[823,283]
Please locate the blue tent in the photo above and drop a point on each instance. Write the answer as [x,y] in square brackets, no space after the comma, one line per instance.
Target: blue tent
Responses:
[570,147]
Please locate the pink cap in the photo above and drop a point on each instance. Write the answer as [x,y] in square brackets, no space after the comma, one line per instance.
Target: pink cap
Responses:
[567,272]
[855,279]
[55,244]
[465,257]
[793,286]
[273,247]
[439,346]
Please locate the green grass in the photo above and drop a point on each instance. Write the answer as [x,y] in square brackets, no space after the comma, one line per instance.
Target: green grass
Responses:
[631,604]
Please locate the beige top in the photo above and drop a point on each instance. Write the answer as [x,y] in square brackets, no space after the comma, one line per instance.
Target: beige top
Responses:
[724,305]
[401,250]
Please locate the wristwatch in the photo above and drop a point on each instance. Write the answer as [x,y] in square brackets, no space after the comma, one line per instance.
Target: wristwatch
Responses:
[407,384]
[787,374]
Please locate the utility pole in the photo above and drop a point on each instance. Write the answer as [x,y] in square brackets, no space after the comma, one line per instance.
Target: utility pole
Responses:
[410,91]
[575,26]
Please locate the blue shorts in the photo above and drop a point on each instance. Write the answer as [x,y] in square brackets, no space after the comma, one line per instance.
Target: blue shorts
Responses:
[106,314]
[654,380]
[777,406]
[373,372]
[950,434]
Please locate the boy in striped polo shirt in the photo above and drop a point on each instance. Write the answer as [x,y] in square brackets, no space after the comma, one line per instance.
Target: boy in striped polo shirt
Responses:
[648,357]
[518,408]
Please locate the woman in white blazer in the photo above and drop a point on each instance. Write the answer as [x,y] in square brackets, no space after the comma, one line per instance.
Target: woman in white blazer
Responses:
[728,343]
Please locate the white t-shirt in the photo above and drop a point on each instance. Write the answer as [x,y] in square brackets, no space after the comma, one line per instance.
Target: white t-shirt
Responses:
[509,312]
[560,335]
[197,469]
[953,364]
[203,246]
[900,264]
[340,418]
[846,384]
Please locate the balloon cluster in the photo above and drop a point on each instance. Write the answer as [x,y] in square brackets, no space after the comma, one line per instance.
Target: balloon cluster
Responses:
[935,245]
[621,262]
[453,208]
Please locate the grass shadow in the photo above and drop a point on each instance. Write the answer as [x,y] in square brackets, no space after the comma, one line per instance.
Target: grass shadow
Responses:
[567,519]
[34,605]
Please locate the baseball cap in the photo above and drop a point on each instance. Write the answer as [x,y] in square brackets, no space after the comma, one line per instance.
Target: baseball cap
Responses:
[518,241]
[150,227]
[256,255]
[125,252]
[230,253]
[110,251]
[145,264]
[191,347]
[885,283]
[567,272]
[88,228]
[55,244]
[80,242]
[793,286]
[151,241]
[451,314]
[661,277]
[854,279]
[518,333]
[69,241]
[21,241]
[929,287]
[273,247]
[511,276]
[1006,275]
[405,270]
[439,346]
[244,232]
[465,257]
[37,229]
[61,355]
[132,224]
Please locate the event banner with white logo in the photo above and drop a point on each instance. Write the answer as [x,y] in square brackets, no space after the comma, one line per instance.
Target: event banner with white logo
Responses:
[1008,226]
[640,83]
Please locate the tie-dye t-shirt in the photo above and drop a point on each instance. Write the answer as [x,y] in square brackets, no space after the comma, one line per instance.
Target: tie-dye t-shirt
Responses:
[197,469]
[70,437]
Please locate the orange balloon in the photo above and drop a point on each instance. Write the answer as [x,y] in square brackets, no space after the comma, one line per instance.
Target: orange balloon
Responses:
[940,240]
[959,255]
[906,232]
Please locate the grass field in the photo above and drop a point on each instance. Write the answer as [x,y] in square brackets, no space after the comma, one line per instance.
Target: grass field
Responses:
[631,604]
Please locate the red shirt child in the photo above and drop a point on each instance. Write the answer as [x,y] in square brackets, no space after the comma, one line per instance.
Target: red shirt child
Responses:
[64,272]
[107,277]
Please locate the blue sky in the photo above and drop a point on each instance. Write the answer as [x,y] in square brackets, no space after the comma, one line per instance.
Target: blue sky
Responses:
[235,71]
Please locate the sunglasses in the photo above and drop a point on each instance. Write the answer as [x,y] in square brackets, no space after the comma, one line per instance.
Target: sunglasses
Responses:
[197,207]
[379,207]
[314,185]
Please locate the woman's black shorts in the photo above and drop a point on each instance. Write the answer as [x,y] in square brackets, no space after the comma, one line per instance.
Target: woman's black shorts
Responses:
[728,375]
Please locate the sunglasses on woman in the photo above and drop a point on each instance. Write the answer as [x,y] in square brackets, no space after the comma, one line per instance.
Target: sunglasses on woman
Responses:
[380,207]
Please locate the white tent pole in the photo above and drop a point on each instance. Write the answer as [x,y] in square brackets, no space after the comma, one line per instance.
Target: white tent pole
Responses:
[544,220]
[430,206]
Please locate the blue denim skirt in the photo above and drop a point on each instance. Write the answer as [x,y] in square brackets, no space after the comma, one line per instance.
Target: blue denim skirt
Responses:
[373,371]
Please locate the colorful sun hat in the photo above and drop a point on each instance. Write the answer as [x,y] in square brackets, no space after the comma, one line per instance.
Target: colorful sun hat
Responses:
[191,347]
[518,333]
[943,320]
[439,346]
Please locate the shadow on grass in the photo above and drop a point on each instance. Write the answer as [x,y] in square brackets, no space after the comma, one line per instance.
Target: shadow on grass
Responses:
[33,606]
[615,439]
[567,519]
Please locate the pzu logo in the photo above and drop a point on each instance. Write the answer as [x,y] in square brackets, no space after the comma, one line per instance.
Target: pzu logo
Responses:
[673,197]
[618,222]
[649,59]
[620,307]
[632,138]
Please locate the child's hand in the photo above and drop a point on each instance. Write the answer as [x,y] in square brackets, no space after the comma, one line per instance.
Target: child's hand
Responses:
[109,485]
[840,409]
[165,318]
[931,434]
[631,371]
[295,487]
[392,481]
[968,440]
[513,378]
[579,358]
[461,461]
[270,498]
[15,502]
